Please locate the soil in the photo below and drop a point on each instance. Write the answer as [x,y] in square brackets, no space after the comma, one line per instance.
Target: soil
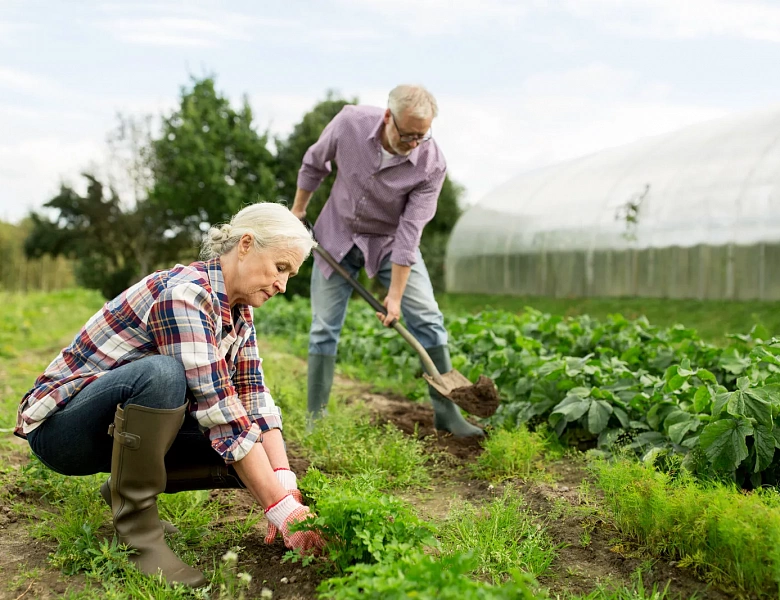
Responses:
[590,553]
[480,399]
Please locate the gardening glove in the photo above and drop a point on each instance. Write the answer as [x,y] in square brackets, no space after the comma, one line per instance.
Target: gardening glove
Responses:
[290,483]
[288,511]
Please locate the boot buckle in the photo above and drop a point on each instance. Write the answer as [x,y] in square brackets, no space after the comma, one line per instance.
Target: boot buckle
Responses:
[128,440]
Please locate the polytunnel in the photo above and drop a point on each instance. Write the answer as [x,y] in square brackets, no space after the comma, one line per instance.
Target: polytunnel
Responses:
[690,214]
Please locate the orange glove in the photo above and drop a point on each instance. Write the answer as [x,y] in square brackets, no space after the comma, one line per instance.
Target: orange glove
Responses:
[289,482]
[286,512]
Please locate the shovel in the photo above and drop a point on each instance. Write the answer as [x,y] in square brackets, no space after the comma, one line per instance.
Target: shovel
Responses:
[480,399]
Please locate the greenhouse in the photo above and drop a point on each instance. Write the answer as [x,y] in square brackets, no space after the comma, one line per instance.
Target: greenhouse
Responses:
[690,214]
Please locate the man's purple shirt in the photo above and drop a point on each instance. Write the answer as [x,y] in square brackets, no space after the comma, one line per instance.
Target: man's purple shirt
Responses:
[380,211]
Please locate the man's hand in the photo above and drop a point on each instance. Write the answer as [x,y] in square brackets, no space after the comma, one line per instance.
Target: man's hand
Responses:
[300,203]
[393,306]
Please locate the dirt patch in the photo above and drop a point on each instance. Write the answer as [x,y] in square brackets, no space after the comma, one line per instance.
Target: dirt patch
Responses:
[416,419]
[480,399]
[592,551]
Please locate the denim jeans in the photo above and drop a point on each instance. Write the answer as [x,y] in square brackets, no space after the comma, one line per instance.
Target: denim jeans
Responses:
[75,441]
[329,299]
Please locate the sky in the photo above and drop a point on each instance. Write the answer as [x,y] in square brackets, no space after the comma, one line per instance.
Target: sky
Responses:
[520,84]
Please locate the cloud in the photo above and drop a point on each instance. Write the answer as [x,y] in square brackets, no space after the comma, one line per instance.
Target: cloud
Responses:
[553,117]
[33,169]
[184,25]
[689,19]
[22,81]
[434,17]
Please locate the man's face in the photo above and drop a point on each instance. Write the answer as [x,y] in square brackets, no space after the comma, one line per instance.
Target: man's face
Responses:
[404,131]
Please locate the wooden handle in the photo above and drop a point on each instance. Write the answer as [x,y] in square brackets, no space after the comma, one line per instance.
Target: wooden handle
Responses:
[375,304]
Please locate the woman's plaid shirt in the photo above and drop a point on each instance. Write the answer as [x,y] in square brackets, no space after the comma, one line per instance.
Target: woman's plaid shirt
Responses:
[184,313]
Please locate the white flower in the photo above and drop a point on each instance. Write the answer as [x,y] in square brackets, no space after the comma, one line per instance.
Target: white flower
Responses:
[245,578]
[230,557]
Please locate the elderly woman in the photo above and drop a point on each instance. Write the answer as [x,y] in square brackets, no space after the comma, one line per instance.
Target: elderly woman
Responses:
[163,389]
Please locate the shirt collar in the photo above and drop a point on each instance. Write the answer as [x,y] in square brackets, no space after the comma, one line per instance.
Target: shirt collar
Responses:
[376,134]
[217,280]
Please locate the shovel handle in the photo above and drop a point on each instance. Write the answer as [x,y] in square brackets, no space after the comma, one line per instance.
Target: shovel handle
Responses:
[375,304]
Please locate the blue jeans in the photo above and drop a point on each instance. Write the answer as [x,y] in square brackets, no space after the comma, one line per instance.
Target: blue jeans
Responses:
[329,299]
[75,441]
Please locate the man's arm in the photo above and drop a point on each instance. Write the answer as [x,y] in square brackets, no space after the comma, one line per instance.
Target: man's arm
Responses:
[419,210]
[316,165]
[300,203]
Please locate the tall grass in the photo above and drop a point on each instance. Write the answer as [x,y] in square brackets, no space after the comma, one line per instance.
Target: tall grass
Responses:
[733,538]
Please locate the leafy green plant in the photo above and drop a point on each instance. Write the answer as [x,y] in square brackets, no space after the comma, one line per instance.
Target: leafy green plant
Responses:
[426,577]
[362,525]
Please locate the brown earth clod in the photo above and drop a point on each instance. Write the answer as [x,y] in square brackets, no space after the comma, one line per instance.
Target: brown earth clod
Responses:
[480,399]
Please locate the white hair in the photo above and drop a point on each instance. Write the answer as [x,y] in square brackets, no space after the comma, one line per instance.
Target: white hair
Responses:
[271,225]
[414,98]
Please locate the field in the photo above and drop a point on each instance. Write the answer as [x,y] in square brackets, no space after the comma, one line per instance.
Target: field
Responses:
[630,458]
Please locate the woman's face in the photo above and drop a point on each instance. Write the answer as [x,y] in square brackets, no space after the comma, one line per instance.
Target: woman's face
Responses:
[261,274]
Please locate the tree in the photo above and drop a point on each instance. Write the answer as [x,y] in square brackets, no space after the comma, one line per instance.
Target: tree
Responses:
[289,155]
[436,233]
[209,162]
[93,230]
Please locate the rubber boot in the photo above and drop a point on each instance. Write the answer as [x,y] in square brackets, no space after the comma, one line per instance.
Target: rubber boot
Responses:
[321,369]
[447,416]
[142,437]
[105,492]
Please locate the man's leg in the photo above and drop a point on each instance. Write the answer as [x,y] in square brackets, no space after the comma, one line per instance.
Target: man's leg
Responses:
[329,299]
[426,323]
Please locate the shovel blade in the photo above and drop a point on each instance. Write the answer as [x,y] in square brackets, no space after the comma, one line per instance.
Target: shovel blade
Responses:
[480,399]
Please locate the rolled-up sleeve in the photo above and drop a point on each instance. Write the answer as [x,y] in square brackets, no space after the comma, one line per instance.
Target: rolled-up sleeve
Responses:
[419,210]
[316,162]
[181,323]
[250,385]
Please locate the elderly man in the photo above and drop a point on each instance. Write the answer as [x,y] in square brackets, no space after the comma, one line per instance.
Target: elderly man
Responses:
[390,173]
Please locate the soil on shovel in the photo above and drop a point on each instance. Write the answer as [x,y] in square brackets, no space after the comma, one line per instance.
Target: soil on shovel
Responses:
[480,399]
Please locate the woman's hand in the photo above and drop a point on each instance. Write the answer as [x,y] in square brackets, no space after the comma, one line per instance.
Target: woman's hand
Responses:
[283,515]
[290,483]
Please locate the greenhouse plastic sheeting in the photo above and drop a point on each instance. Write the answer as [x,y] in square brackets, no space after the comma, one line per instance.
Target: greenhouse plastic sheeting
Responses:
[705,203]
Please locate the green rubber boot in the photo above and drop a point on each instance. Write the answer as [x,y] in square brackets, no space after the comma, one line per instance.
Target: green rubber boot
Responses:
[321,369]
[447,416]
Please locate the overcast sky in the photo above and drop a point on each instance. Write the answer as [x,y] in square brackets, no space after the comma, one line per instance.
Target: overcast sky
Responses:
[520,83]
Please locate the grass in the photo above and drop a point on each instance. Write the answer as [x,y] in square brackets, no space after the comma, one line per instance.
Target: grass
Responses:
[712,319]
[502,535]
[508,455]
[730,537]
[33,329]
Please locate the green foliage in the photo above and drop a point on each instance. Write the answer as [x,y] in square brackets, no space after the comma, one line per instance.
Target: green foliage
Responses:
[502,535]
[509,454]
[731,537]
[363,525]
[436,233]
[420,575]
[346,442]
[94,230]
[209,161]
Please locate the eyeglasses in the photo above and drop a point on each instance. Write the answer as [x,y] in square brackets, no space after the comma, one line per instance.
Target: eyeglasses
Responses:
[406,138]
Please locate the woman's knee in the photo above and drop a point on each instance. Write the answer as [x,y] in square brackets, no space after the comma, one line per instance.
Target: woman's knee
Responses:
[164,382]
